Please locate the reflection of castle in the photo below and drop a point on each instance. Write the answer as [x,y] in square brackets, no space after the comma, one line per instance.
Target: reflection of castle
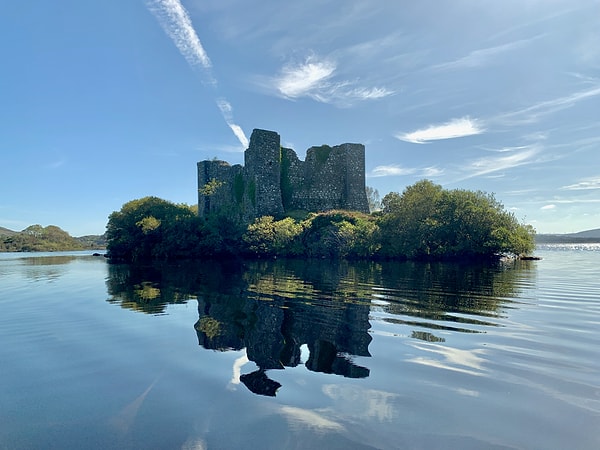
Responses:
[273,308]
[273,332]
[274,181]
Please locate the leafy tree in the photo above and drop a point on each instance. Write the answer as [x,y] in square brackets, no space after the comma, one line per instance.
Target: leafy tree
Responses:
[151,228]
[267,236]
[409,221]
[427,221]
[423,222]
[340,234]
[222,234]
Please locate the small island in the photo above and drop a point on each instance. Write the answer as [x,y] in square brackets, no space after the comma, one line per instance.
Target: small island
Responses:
[279,206]
[36,238]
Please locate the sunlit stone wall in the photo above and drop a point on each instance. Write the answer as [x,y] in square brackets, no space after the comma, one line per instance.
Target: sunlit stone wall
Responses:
[274,180]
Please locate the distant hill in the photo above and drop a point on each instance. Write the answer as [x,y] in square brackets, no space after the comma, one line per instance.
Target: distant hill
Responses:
[36,238]
[594,234]
[7,232]
[96,241]
[588,236]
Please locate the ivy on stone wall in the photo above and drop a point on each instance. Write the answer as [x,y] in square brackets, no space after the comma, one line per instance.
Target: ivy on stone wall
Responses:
[322,153]
[286,184]
[252,192]
[239,187]
[211,187]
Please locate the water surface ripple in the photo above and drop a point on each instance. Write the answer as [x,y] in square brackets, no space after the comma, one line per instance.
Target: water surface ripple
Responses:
[297,354]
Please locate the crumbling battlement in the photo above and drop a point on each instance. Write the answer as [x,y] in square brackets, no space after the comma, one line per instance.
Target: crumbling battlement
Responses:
[274,181]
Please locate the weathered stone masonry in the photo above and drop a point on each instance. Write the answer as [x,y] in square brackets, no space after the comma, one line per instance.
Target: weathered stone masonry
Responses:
[273,181]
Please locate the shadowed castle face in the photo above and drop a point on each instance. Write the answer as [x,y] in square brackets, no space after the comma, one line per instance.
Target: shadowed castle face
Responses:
[273,181]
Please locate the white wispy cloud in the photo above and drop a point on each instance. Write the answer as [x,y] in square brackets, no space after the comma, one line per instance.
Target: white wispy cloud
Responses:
[314,78]
[369,93]
[56,164]
[430,172]
[504,149]
[455,128]
[585,184]
[227,112]
[548,207]
[176,22]
[487,165]
[305,79]
[533,113]
[482,56]
[392,170]
[239,133]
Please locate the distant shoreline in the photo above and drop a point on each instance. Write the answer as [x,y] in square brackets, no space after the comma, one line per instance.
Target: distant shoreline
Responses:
[562,239]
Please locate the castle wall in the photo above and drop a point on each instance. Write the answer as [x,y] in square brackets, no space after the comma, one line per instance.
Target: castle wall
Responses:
[356,196]
[274,180]
[331,178]
[262,164]
[224,192]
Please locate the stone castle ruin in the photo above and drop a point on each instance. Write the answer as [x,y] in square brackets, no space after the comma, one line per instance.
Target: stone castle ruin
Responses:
[273,181]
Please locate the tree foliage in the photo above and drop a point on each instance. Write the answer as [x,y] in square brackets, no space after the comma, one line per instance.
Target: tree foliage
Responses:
[424,222]
[343,234]
[150,228]
[427,221]
[266,236]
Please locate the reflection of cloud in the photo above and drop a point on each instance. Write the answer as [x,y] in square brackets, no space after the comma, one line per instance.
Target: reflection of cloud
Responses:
[467,392]
[457,360]
[194,443]
[310,419]
[455,128]
[362,403]
[237,368]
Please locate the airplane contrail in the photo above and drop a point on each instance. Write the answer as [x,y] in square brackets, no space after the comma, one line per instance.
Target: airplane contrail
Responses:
[176,23]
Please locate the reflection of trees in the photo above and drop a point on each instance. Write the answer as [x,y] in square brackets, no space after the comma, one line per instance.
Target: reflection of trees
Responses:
[149,288]
[448,296]
[54,260]
[273,308]
[49,267]
[262,307]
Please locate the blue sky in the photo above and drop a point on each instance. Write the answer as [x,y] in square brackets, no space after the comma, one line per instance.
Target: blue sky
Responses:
[105,102]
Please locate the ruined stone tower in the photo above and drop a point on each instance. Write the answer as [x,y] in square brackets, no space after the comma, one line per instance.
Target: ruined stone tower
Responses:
[262,163]
[274,181]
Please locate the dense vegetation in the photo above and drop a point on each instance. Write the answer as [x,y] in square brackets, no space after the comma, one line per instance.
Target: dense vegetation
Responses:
[424,222]
[39,239]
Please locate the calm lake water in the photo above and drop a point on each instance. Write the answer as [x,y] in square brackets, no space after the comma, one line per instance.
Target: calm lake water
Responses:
[300,355]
